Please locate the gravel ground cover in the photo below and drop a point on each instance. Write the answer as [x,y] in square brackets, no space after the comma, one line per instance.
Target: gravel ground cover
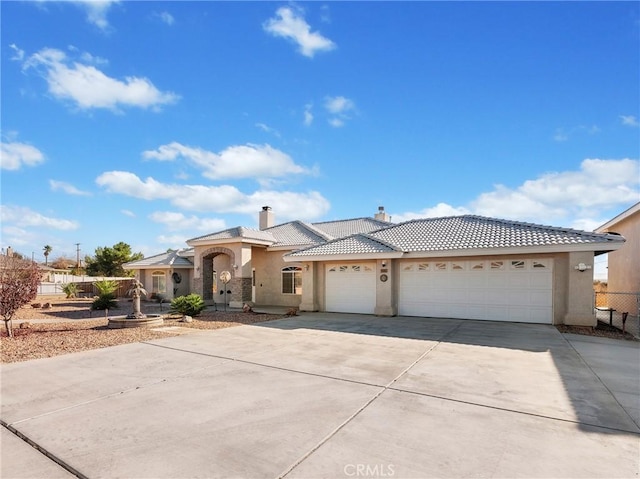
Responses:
[70,327]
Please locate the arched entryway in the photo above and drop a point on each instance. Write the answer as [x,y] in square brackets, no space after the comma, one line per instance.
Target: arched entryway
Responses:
[214,261]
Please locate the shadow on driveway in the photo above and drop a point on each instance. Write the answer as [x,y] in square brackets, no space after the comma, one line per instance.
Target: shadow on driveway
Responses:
[530,368]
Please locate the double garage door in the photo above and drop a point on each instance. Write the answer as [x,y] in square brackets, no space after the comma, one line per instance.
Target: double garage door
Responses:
[496,290]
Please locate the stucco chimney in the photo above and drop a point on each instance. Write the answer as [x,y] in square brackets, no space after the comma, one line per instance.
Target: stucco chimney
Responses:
[382,215]
[267,218]
[9,251]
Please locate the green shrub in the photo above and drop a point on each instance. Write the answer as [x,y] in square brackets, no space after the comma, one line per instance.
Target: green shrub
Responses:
[190,305]
[105,301]
[71,290]
[106,287]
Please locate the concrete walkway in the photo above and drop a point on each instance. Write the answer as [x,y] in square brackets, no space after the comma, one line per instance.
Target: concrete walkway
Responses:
[327,395]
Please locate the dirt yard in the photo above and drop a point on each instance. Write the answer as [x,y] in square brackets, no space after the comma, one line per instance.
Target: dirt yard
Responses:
[69,325]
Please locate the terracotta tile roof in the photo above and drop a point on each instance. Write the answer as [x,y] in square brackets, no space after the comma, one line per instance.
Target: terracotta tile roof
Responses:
[177,259]
[237,232]
[462,233]
[359,243]
[297,233]
[343,228]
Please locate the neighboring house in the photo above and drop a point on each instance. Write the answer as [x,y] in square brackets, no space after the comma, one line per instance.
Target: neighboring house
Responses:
[166,275]
[623,272]
[467,267]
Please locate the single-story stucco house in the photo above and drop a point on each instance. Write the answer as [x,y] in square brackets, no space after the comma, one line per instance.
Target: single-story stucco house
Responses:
[624,265]
[468,267]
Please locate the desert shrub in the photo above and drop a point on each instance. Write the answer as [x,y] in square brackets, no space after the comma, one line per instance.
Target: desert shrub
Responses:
[106,301]
[71,290]
[19,280]
[106,287]
[190,305]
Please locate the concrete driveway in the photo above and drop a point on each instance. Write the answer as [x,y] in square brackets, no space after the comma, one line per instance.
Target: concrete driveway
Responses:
[328,395]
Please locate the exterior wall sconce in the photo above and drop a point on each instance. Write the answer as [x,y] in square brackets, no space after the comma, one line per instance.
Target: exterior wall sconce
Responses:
[582,267]
[384,264]
[306,267]
[235,266]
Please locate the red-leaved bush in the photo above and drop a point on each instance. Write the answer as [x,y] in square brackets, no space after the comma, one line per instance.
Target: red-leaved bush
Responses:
[19,280]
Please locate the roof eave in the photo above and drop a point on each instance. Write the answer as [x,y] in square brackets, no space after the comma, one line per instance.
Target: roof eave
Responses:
[344,256]
[598,248]
[619,218]
[208,242]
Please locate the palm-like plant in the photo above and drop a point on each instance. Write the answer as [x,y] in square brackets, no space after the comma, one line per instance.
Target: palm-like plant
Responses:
[47,250]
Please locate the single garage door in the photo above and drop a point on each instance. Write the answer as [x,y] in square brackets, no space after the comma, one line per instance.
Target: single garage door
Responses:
[351,288]
[517,290]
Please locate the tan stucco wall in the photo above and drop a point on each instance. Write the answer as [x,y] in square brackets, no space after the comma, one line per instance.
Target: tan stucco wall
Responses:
[624,264]
[386,292]
[578,296]
[572,289]
[182,288]
[268,266]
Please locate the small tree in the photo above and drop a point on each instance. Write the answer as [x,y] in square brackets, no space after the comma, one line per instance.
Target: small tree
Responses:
[108,261]
[47,250]
[19,280]
[106,295]
[106,287]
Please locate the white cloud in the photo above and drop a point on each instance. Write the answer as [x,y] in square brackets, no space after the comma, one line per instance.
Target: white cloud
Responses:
[338,104]
[438,211]
[175,221]
[87,87]
[629,120]
[175,241]
[241,161]
[562,134]
[552,198]
[67,188]
[291,25]
[268,129]
[96,11]
[215,199]
[15,155]
[308,116]
[165,17]
[23,217]
[340,107]
[128,213]
[18,54]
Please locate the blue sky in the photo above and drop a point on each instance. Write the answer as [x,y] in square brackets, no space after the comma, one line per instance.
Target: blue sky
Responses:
[155,122]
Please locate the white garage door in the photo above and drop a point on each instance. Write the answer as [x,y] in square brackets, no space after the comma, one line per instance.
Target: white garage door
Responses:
[499,290]
[351,288]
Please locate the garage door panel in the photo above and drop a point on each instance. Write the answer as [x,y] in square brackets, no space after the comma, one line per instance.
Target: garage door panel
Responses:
[498,290]
[351,288]
[540,280]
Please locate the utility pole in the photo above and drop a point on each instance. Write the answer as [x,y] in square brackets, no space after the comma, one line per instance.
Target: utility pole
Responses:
[77,257]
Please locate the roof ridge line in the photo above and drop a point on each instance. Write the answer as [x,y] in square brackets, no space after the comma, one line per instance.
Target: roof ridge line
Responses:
[378,240]
[316,231]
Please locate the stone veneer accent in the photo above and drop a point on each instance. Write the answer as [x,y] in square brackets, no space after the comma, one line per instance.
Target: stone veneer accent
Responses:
[240,290]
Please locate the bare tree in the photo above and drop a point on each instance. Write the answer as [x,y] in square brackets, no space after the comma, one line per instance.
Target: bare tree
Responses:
[19,280]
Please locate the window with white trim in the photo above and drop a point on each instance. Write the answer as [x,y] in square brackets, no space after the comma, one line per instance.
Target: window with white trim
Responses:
[158,282]
[292,280]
